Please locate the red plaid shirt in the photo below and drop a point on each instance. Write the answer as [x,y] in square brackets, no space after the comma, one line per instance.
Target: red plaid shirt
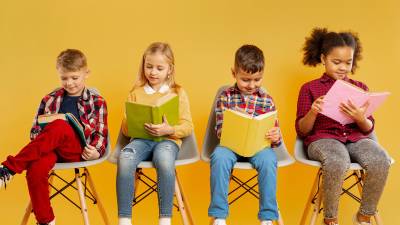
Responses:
[325,127]
[258,103]
[93,115]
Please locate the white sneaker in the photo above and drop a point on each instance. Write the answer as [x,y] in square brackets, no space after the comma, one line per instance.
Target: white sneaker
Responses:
[355,221]
[51,223]
[266,222]
[219,222]
[164,221]
[124,221]
[5,177]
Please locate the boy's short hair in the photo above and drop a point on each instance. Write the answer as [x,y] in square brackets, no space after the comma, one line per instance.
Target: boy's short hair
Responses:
[71,60]
[250,59]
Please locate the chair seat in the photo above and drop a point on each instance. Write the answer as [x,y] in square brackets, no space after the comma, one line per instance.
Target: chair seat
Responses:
[72,165]
[300,155]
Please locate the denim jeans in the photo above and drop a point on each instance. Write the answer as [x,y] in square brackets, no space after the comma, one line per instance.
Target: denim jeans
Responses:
[222,162]
[163,154]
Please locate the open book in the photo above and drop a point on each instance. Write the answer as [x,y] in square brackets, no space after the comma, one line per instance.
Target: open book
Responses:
[45,119]
[341,92]
[245,134]
[138,114]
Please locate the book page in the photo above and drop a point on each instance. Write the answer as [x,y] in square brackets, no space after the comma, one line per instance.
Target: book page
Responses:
[339,93]
[342,92]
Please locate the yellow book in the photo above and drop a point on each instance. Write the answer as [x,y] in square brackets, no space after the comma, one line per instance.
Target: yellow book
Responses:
[245,134]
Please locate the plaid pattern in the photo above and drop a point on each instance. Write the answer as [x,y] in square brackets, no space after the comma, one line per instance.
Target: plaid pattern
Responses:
[93,115]
[256,104]
[325,127]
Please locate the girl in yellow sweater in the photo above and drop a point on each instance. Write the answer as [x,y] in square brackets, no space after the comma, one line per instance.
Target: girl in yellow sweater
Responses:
[156,79]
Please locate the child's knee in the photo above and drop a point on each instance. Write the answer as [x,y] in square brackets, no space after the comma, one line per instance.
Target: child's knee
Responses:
[222,153]
[37,170]
[335,166]
[265,158]
[58,124]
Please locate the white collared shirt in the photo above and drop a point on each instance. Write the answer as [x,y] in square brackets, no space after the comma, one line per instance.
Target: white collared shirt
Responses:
[149,90]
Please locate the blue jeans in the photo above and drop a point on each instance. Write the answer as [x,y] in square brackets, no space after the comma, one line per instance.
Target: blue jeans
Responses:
[222,162]
[163,154]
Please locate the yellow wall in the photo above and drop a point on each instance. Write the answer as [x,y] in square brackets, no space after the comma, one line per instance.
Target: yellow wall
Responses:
[204,36]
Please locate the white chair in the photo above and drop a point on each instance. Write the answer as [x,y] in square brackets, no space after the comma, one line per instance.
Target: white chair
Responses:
[84,191]
[315,198]
[187,154]
[211,141]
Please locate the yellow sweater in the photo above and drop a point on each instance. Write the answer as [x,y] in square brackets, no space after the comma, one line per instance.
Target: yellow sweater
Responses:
[185,125]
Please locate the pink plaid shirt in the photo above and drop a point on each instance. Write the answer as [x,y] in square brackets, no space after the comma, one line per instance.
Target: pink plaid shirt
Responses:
[93,115]
[325,127]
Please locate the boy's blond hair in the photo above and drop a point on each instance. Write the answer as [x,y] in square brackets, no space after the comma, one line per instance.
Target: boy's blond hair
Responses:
[71,60]
[164,49]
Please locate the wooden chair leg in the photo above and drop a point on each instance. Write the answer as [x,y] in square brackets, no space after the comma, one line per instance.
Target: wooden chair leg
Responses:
[28,212]
[212,221]
[99,203]
[317,205]
[280,219]
[137,181]
[185,201]
[29,208]
[82,197]
[181,205]
[378,219]
[310,197]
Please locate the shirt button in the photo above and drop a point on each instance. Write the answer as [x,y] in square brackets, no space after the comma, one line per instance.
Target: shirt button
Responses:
[344,133]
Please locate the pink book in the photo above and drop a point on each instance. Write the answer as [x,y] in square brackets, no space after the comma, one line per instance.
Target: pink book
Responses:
[342,91]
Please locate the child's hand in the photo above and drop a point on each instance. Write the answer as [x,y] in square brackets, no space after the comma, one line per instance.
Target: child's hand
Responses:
[316,107]
[159,130]
[274,135]
[90,153]
[354,112]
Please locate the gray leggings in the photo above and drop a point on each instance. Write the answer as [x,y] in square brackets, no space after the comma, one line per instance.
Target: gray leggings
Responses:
[335,158]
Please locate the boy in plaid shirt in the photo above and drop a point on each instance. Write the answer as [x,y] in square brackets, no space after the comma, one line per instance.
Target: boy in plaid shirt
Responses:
[247,96]
[57,141]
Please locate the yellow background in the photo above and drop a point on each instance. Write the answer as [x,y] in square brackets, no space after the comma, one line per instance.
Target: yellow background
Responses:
[204,36]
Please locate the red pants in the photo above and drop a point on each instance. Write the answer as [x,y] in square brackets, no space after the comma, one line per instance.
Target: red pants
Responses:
[57,142]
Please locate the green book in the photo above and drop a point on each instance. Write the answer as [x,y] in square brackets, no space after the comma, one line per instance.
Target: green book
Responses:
[138,114]
[45,119]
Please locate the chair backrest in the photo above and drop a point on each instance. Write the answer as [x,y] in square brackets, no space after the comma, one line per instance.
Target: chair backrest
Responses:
[301,155]
[71,165]
[187,154]
[211,140]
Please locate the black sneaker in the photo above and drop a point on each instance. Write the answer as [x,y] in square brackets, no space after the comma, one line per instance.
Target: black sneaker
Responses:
[5,176]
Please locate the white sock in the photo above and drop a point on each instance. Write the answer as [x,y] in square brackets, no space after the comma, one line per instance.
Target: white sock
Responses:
[164,221]
[124,221]
[266,222]
[220,221]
